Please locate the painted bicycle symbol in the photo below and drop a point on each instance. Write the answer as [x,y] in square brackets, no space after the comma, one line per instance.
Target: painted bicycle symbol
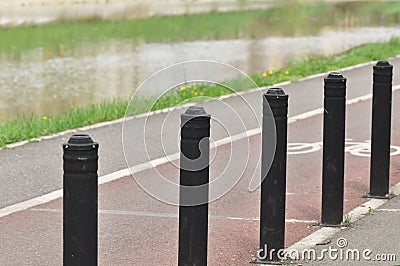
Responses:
[355,148]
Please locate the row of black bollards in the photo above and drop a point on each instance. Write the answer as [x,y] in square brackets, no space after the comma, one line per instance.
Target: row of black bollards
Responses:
[272,214]
[81,183]
[334,141]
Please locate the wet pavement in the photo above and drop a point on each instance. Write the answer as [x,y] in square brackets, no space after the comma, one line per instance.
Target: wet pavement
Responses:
[42,172]
[137,229]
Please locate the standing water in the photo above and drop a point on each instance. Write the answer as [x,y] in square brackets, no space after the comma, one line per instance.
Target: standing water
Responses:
[47,82]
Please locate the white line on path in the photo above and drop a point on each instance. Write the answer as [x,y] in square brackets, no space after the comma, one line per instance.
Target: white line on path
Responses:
[172,215]
[153,163]
[388,210]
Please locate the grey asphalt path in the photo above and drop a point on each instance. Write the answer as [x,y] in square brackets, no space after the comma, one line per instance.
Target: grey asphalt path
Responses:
[376,237]
[138,228]
[34,169]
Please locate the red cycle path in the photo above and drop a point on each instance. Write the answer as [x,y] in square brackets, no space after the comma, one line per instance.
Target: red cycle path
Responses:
[136,229]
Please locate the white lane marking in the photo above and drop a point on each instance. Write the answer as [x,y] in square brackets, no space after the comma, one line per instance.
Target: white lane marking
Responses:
[356,214]
[388,210]
[148,165]
[172,215]
[31,203]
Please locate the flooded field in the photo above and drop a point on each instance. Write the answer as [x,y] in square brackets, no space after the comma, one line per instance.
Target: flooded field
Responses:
[22,12]
[46,82]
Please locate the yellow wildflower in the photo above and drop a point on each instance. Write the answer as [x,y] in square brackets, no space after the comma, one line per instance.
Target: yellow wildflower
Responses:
[270,72]
[264,75]
[286,72]
[44,117]
[195,93]
[182,88]
[194,88]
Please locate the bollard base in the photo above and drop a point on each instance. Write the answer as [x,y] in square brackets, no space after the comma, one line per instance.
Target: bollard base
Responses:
[369,196]
[327,225]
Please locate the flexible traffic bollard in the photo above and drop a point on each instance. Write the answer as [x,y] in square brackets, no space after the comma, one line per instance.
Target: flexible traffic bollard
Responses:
[194,187]
[80,201]
[381,127]
[333,150]
[273,186]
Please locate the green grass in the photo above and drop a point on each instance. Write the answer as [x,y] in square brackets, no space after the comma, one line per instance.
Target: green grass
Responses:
[289,19]
[26,128]
[346,220]
[293,72]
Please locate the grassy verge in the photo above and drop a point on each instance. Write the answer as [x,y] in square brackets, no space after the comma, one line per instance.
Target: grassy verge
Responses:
[27,128]
[62,38]
[293,72]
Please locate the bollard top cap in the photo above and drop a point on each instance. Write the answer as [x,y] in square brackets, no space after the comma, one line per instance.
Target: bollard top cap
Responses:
[335,75]
[79,139]
[383,73]
[276,94]
[275,102]
[81,142]
[275,91]
[335,85]
[383,69]
[383,63]
[194,112]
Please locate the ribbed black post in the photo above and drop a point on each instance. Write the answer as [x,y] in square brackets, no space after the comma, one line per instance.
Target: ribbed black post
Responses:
[194,190]
[273,186]
[381,127]
[80,201]
[333,150]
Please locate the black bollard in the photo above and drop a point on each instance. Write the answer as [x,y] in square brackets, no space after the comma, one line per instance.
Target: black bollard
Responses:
[273,186]
[381,127]
[194,187]
[80,201]
[333,150]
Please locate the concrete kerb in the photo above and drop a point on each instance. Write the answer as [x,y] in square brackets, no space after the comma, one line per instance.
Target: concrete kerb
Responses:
[325,233]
